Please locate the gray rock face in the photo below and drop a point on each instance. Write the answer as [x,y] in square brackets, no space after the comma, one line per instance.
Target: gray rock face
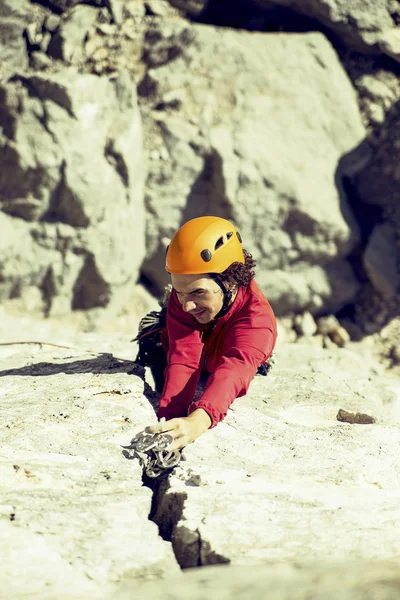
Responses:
[365,25]
[249,126]
[14,16]
[74,514]
[379,91]
[71,190]
[281,479]
[280,486]
[350,580]
[67,43]
[218,143]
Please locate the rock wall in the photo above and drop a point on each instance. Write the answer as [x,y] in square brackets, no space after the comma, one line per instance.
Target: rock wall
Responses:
[243,143]
[119,120]
[72,179]
[281,488]
[286,124]
[74,514]
[377,581]
[14,19]
[369,26]
[71,186]
[283,448]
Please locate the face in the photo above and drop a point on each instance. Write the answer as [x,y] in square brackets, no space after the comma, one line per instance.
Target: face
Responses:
[199,295]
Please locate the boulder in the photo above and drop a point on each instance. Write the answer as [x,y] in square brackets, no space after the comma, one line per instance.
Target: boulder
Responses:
[67,43]
[378,90]
[252,127]
[305,325]
[332,332]
[71,192]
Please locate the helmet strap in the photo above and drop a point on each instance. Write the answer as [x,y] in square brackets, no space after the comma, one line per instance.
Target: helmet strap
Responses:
[227,296]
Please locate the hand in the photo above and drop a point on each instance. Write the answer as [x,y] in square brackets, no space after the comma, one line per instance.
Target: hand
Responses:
[183,430]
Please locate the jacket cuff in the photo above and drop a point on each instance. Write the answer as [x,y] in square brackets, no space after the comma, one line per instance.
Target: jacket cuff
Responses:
[211,413]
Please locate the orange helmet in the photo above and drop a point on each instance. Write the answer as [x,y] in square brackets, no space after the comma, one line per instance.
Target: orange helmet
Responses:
[204,245]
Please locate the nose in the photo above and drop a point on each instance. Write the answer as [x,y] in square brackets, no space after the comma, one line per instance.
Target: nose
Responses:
[188,305]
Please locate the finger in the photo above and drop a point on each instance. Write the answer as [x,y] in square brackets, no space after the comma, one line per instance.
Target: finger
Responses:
[156,428]
[161,427]
[178,442]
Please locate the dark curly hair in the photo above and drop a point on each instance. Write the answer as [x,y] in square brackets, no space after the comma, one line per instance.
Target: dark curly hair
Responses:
[238,274]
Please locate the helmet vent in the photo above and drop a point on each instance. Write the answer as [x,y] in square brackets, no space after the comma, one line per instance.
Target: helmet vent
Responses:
[219,243]
[206,255]
[229,235]
[239,237]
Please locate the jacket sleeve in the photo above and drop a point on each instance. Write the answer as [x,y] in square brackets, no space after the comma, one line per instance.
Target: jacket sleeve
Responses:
[183,361]
[246,344]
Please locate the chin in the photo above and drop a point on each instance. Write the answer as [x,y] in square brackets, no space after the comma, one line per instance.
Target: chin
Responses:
[204,317]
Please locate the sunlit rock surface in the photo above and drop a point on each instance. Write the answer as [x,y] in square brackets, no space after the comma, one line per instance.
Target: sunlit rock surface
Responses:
[280,482]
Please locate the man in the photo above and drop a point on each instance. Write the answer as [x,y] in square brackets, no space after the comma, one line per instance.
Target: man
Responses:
[220,329]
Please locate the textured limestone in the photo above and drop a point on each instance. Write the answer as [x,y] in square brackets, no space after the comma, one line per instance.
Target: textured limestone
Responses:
[281,486]
[369,26]
[67,43]
[74,514]
[355,580]
[71,192]
[282,480]
[218,143]
[379,91]
[14,17]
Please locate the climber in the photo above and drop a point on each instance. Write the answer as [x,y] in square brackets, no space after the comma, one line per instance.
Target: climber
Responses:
[220,330]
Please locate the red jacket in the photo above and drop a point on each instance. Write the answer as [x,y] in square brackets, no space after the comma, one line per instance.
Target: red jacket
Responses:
[231,349]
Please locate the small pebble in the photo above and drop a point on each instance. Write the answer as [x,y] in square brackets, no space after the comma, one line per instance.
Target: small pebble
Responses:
[354,418]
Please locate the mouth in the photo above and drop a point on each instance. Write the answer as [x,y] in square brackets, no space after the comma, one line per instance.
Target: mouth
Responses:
[198,314]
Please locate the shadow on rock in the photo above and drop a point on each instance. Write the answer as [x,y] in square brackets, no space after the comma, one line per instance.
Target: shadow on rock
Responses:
[208,193]
[369,177]
[104,363]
